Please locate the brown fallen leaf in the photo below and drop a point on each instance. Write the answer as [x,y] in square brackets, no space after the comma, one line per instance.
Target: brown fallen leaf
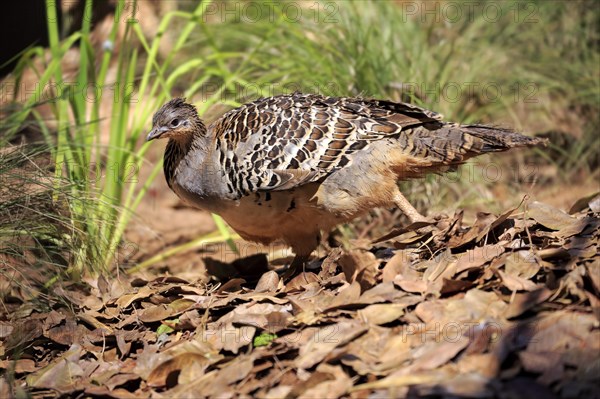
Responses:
[63,374]
[324,340]
[476,305]
[267,316]
[165,311]
[584,203]
[381,313]
[364,354]
[413,286]
[94,322]
[410,229]
[126,300]
[523,302]
[256,296]
[302,282]
[121,379]
[53,319]
[6,329]
[387,292]
[461,385]
[576,227]
[400,263]
[166,373]
[550,217]
[481,226]
[569,337]
[361,266]
[336,384]
[522,264]
[150,357]
[347,296]
[228,337]
[516,283]
[439,267]
[440,351]
[231,286]
[477,257]
[454,286]
[402,380]
[118,393]
[498,221]
[268,282]
[19,366]
[215,383]
[70,332]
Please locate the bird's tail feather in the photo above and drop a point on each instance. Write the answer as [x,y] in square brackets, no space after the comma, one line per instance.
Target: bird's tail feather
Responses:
[449,146]
[454,144]
[492,139]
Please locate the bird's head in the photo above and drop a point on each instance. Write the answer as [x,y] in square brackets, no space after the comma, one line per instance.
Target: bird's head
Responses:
[176,120]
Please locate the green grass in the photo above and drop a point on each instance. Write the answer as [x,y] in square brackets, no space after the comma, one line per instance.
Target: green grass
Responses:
[37,230]
[103,178]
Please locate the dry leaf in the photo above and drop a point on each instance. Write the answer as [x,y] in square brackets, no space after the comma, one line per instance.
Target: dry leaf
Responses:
[167,372]
[62,375]
[381,313]
[361,266]
[524,301]
[336,385]
[550,217]
[326,339]
[269,282]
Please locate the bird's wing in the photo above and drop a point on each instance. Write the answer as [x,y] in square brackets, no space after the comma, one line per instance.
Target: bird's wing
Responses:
[286,141]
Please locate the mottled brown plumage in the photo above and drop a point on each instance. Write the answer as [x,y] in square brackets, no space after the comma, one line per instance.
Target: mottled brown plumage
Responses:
[290,166]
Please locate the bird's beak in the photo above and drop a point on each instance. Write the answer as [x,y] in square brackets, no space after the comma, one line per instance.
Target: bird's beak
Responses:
[155,133]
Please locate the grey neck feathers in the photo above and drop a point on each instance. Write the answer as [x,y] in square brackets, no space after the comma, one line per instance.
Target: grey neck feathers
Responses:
[179,147]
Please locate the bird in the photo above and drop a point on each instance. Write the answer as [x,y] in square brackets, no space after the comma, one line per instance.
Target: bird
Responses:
[292,166]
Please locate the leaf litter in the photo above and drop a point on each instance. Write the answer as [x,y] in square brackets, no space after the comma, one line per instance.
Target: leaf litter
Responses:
[508,307]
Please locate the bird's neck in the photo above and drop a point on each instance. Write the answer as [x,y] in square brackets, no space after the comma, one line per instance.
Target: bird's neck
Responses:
[182,144]
[193,137]
[178,147]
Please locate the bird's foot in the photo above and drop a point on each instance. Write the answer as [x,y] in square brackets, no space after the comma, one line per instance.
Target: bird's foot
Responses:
[297,265]
[289,273]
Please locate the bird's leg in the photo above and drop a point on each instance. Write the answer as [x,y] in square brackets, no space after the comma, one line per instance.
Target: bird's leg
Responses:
[297,264]
[409,210]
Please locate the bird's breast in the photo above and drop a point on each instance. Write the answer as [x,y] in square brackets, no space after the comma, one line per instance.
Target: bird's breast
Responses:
[266,216]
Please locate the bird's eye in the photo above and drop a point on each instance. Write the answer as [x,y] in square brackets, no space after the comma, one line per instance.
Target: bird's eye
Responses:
[175,122]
